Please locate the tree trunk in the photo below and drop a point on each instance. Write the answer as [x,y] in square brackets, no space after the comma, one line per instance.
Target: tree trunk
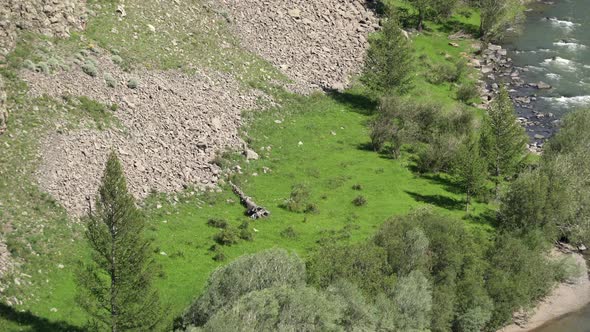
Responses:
[113,275]
[467,201]
[420,20]
[252,209]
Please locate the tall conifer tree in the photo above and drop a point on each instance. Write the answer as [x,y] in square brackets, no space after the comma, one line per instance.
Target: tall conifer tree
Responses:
[116,287]
[503,139]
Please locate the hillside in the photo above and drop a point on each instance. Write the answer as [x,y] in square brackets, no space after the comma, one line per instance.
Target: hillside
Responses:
[192,94]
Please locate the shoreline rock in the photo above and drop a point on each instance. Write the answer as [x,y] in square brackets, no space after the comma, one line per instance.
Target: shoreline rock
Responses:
[496,68]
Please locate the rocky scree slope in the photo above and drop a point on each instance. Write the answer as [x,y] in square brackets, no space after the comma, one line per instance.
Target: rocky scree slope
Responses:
[48,17]
[173,124]
[316,43]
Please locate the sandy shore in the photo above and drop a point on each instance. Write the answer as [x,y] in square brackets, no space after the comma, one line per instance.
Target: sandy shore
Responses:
[565,298]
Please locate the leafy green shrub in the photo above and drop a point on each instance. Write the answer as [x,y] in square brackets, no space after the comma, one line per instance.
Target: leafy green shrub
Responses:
[278,309]
[89,68]
[227,237]
[298,200]
[312,208]
[217,223]
[30,65]
[467,92]
[219,257]
[363,264]
[451,72]
[359,201]
[357,186]
[567,269]
[289,233]
[245,231]
[117,59]
[42,67]
[110,80]
[53,63]
[266,269]
[133,83]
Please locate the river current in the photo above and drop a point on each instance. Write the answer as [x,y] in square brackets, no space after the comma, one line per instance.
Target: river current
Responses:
[553,46]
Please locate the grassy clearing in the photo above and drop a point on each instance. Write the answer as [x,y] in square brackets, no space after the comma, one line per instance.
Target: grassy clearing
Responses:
[332,159]
[330,165]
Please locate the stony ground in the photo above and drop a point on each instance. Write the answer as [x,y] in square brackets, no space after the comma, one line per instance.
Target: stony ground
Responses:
[48,17]
[172,126]
[318,43]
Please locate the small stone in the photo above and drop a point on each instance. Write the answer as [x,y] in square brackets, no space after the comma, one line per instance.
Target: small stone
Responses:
[300,143]
[53,309]
[61,266]
[278,121]
[152,28]
[453,44]
[295,13]
[163,253]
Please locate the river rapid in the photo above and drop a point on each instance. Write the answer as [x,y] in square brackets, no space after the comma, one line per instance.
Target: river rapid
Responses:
[553,46]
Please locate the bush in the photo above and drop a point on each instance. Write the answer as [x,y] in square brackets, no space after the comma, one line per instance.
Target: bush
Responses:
[219,257]
[359,201]
[298,201]
[30,65]
[248,273]
[312,208]
[227,237]
[245,232]
[278,309]
[364,265]
[217,223]
[567,269]
[42,67]
[452,72]
[467,92]
[358,187]
[110,80]
[133,83]
[289,233]
[89,68]
[117,59]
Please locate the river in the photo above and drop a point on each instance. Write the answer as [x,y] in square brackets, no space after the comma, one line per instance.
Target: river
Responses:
[554,47]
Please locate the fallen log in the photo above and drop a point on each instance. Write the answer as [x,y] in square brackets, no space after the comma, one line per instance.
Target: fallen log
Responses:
[252,209]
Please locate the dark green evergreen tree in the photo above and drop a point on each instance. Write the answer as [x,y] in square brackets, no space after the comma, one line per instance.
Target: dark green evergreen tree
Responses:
[503,140]
[470,169]
[389,64]
[115,288]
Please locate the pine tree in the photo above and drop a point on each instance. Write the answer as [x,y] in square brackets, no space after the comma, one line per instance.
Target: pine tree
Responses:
[389,63]
[115,288]
[503,140]
[470,169]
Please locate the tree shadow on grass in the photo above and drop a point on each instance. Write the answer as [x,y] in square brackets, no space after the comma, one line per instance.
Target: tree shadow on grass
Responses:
[444,181]
[360,103]
[34,323]
[438,200]
[452,26]
[488,217]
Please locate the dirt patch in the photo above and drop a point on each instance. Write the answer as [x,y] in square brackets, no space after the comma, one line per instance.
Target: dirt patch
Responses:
[172,126]
[317,43]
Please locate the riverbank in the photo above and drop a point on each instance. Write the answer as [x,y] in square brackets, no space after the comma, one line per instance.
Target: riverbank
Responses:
[564,299]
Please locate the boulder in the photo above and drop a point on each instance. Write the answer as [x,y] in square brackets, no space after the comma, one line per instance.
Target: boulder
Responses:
[542,85]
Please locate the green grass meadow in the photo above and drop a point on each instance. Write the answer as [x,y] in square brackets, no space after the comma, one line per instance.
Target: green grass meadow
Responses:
[320,141]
